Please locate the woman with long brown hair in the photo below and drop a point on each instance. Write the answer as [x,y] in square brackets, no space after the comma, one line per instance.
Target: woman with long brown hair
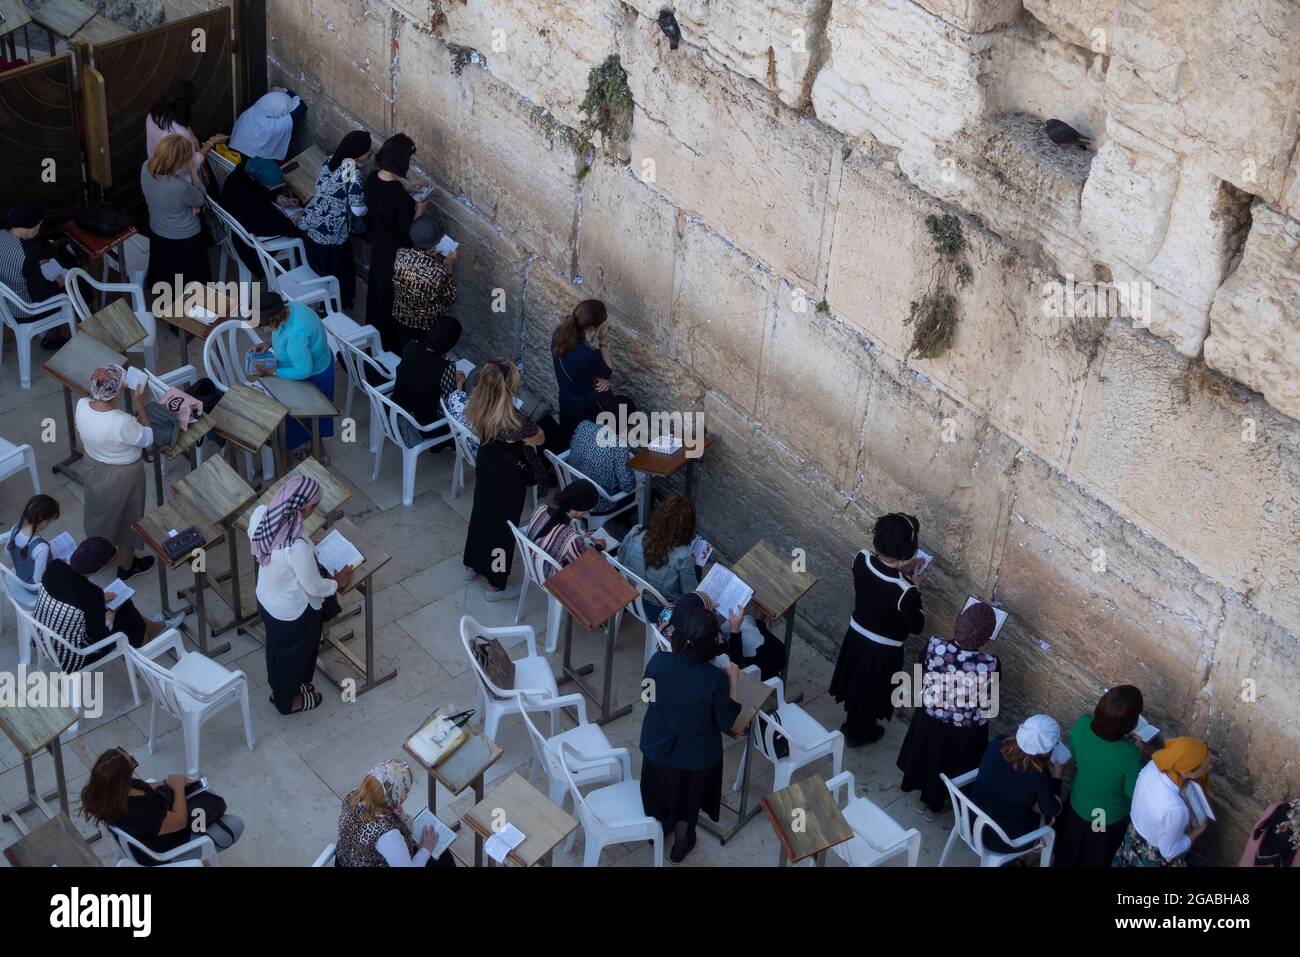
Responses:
[1018,782]
[167,179]
[580,352]
[661,552]
[505,466]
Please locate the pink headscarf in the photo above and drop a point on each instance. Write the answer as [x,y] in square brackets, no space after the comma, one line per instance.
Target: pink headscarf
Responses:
[281,526]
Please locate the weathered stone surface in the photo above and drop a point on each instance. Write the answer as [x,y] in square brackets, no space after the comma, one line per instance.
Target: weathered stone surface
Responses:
[432,100]
[1085,23]
[1255,319]
[974,16]
[1176,456]
[770,41]
[1032,71]
[1126,200]
[132,14]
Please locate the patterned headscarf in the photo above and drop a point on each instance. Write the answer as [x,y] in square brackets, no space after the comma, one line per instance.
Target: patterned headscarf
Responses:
[1180,756]
[282,524]
[106,383]
[396,779]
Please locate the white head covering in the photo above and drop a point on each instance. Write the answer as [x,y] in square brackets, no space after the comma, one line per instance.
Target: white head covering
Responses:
[265,127]
[1038,735]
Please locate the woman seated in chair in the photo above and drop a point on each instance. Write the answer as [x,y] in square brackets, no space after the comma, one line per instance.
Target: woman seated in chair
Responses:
[159,817]
[374,830]
[254,207]
[691,704]
[22,254]
[551,527]
[301,351]
[601,454]
[76,609]
[1018,782]
[752,643]
[262,132]
[660,553]
[28,552]
[426,375]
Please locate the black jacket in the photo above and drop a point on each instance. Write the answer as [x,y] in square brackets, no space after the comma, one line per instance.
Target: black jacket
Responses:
[690,707]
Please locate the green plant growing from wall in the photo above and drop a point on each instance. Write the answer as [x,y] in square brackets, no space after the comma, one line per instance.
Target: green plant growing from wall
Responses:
[607,107]
[933,317]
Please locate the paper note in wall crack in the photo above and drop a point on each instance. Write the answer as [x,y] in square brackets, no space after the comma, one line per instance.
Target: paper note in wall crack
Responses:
[335,552]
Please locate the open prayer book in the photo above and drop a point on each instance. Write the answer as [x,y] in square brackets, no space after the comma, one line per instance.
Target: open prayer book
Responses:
[665,444]
[62,546]
[609,541]
[427,818]
[334,552]
[1145,729]
[725,589]
[1198,803]
[52,269]
[500,844]
[1060,753]
[701,551]
[446,246]
[120,591]
[999,616]
[202,314]
[134,378]
[465,366]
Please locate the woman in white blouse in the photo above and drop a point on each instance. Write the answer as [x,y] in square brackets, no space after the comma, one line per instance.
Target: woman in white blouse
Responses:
[114,470]
[291,592]
[374,829]
[1162,825]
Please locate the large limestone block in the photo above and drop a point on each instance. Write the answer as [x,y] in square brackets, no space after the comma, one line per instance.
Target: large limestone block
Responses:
[898,72]
[814,378]
[432,98]
[543,49]
[1126,200]
[770,41]
[1033,71]
[1255,320]
[760,174]
[723,303]
[1011,360]
[1208,470]
[1085,23]
[974,16]
[1213,80]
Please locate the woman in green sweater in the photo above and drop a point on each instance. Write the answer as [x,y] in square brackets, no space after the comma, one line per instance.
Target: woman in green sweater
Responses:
[1107,760]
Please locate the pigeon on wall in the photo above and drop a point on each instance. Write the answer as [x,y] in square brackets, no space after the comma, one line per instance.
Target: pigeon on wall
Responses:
[1063,134]
[668,24]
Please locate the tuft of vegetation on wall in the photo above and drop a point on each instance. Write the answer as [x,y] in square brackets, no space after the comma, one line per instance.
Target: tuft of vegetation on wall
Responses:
[933,317]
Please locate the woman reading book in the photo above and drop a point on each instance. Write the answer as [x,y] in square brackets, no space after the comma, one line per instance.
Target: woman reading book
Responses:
[301,351]
[375,830]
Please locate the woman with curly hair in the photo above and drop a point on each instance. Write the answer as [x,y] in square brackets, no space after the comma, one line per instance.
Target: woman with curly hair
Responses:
[661,552]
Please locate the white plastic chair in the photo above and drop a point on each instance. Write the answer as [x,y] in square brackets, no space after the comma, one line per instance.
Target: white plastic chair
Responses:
[358,366]
[613,814]
[586,737]
[877,837]
[809,741]
[204,845]
[566,473]
[219,167]
[298,281]
[223,363]
[654,641]
[52,313]
[326,857]
[972,831]
[535,562]
[14,591]
[390,413]
[534,690]
[48,642]
[192,691]
[83,309]
[15,458]
[466,449]
[288,250]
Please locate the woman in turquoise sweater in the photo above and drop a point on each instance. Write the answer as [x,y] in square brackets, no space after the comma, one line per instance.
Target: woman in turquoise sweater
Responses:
[1108,760]
[301,352]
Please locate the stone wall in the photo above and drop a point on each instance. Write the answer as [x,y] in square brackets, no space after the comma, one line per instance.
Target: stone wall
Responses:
[1126,487]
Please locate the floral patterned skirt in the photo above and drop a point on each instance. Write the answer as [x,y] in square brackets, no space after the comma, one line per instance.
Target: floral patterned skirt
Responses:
[1135,851]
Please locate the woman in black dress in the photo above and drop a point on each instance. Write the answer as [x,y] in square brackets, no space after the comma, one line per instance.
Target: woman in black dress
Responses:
[507,463]
[692,703]
[886,609]
[391,210]
[950,723]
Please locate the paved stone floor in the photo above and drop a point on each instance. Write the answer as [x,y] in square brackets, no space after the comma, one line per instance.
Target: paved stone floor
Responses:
[288,788]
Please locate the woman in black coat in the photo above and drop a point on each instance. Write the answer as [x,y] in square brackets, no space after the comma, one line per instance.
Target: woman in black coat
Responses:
[391,210]
[251,205]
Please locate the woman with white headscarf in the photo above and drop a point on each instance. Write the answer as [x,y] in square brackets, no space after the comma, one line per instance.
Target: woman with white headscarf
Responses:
[375,831]
[112,441]
[262,133]
[1019,781]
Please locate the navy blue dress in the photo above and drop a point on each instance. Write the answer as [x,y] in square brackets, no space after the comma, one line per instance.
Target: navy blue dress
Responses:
[575,378]
[1012,798]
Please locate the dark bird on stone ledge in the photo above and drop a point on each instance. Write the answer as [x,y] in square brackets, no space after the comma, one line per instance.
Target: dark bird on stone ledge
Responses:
[668,24]
[1063,134]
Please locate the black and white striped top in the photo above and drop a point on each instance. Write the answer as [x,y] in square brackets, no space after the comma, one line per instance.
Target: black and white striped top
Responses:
[69,623]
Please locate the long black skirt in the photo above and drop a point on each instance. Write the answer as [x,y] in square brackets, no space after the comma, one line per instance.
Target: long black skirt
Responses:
[864,681]
[169,258]
[291,650]
[676,794]
[933,747]
[499,491]
[1078,845]
[336,261]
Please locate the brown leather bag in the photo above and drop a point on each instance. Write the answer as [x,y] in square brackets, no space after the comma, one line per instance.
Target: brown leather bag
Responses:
[496,664]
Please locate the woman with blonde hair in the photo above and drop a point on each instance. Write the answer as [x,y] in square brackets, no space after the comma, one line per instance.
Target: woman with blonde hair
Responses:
[374,830]
[176,250]
[506,465]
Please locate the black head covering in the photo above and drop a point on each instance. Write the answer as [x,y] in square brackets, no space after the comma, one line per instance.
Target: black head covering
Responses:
[270,303]
[896,536]
[974,626]
[443,335]
[576,496]
[695,633]
[91,555]
[356,144]
[24,216]
[395,155]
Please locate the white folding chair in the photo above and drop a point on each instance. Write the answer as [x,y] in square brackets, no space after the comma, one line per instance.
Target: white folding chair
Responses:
[970,823]
[653,640]
[566,473]
[612,814]
[390,414]
[297,281]
[466,450]
[16,592]
[808,740]
[191,691]
[83,309]
[288,250]
[203,845]
[326,857]
[877,837]
[587,737]
[536,562]
[219,167]
[360,366]
[223,363]
[535,688]
[15,458]
[49,642]
[50,314]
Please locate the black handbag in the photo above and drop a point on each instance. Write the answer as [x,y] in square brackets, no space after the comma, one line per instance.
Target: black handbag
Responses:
[100,221]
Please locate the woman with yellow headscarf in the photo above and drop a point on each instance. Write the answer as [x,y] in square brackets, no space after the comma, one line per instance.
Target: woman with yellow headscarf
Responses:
[1162,825]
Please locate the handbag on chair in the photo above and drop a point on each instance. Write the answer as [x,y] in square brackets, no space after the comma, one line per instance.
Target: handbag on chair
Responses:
[496,664]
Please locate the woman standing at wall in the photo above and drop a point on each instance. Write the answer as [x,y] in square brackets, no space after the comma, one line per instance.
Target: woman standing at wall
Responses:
[338,196]
[580,351]
[392,210]
[1161,827]
[171,114]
